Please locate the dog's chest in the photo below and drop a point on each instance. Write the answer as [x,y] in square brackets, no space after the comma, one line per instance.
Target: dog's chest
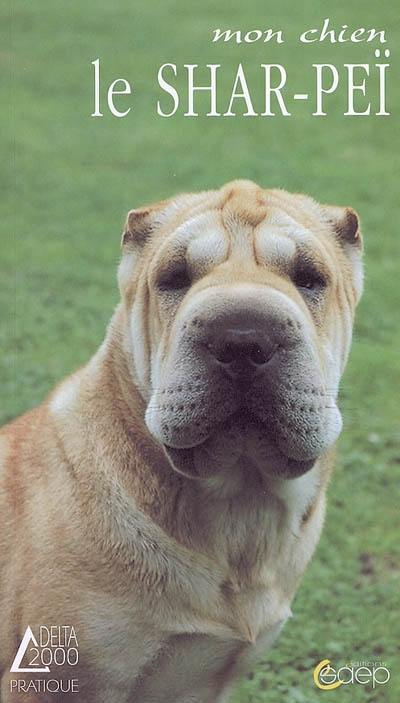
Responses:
[190,647]
[206,651]
[199,667]
[195,660]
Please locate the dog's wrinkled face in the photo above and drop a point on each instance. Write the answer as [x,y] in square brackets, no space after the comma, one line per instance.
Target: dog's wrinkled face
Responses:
[241,304]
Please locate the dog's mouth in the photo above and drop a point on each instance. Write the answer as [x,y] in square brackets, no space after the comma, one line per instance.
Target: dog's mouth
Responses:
[239,419]
[280,428]
[243,439]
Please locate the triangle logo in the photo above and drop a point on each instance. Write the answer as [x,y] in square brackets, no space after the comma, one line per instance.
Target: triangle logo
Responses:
[27,638]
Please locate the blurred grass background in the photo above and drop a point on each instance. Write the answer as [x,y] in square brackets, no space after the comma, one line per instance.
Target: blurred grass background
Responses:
[72,180]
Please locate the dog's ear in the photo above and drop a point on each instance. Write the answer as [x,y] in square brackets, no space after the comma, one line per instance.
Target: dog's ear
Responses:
[345,224]
[139,225]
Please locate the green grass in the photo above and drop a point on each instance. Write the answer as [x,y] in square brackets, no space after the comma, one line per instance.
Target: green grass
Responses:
[72,180]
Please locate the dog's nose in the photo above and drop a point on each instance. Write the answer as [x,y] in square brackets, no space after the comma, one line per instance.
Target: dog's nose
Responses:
[242,352]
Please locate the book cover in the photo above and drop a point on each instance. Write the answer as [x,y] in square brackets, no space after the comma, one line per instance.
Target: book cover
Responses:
[199,453]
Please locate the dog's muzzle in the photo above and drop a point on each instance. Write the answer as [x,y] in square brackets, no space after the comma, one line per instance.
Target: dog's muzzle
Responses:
[243,381]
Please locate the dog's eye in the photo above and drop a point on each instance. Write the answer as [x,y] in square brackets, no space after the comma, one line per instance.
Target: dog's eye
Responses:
[174,280]
[307,279]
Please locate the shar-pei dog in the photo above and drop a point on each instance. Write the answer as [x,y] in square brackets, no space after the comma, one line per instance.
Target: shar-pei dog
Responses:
[160,507]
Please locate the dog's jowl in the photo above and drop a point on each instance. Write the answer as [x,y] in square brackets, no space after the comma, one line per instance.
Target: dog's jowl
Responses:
[163,502]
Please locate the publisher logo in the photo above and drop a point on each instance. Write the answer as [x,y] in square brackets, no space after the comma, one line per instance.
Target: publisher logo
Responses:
[45,650]
[327,677]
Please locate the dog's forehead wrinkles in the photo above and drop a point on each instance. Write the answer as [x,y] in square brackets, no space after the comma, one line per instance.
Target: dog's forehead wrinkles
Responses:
[196,227]
[282,219]
[243,202]
[282,239]
[247,224]
[205,241]
[273,246]
[208,249]
[277,238]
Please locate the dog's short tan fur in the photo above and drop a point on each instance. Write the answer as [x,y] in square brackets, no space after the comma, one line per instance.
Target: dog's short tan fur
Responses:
[175,584]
